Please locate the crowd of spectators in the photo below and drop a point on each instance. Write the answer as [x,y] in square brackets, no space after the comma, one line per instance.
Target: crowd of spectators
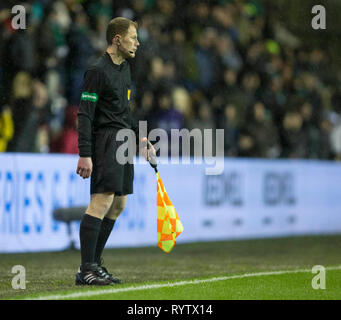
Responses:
[224,64]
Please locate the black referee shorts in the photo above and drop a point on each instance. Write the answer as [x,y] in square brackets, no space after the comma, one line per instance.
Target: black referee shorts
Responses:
[108,174]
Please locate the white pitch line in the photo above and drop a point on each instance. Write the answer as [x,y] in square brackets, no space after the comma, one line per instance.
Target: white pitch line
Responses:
[170,284]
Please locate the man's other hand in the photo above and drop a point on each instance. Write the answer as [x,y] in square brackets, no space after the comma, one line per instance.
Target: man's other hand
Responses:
[84,167]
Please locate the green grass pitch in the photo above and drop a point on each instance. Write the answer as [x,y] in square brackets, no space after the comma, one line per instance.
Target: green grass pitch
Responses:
[279,269]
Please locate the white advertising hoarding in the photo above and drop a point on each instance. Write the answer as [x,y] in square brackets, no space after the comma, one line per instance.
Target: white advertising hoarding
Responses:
[251,198]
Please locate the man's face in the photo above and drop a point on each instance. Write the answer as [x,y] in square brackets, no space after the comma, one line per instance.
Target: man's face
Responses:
[129,43]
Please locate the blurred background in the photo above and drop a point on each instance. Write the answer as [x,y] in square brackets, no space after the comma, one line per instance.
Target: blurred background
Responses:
[254,68]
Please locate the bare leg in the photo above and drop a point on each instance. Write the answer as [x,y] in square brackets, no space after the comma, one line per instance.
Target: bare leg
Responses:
[117,207]
[100,203]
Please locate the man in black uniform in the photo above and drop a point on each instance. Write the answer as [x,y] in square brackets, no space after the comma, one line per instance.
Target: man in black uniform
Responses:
[104,109]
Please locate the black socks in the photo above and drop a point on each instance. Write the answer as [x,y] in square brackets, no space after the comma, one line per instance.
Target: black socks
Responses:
[93,234]
[88,234]
[106,228]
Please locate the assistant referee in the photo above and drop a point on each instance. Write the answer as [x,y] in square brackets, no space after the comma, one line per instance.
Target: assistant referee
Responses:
[103,110]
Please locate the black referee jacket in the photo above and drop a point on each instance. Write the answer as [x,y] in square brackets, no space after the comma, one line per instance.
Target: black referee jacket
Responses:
[104,101]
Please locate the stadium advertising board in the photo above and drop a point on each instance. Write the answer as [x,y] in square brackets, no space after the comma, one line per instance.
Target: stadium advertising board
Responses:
[250,199]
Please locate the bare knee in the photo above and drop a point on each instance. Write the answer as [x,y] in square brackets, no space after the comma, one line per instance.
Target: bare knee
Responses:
[117,207]
[100,204]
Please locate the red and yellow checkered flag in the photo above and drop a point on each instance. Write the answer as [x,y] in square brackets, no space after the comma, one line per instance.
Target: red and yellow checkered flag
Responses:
[169,225]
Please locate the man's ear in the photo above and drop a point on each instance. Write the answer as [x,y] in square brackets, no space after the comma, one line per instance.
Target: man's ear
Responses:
[116,40]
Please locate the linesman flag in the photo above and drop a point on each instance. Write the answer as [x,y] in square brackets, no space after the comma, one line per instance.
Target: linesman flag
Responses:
[169,225]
